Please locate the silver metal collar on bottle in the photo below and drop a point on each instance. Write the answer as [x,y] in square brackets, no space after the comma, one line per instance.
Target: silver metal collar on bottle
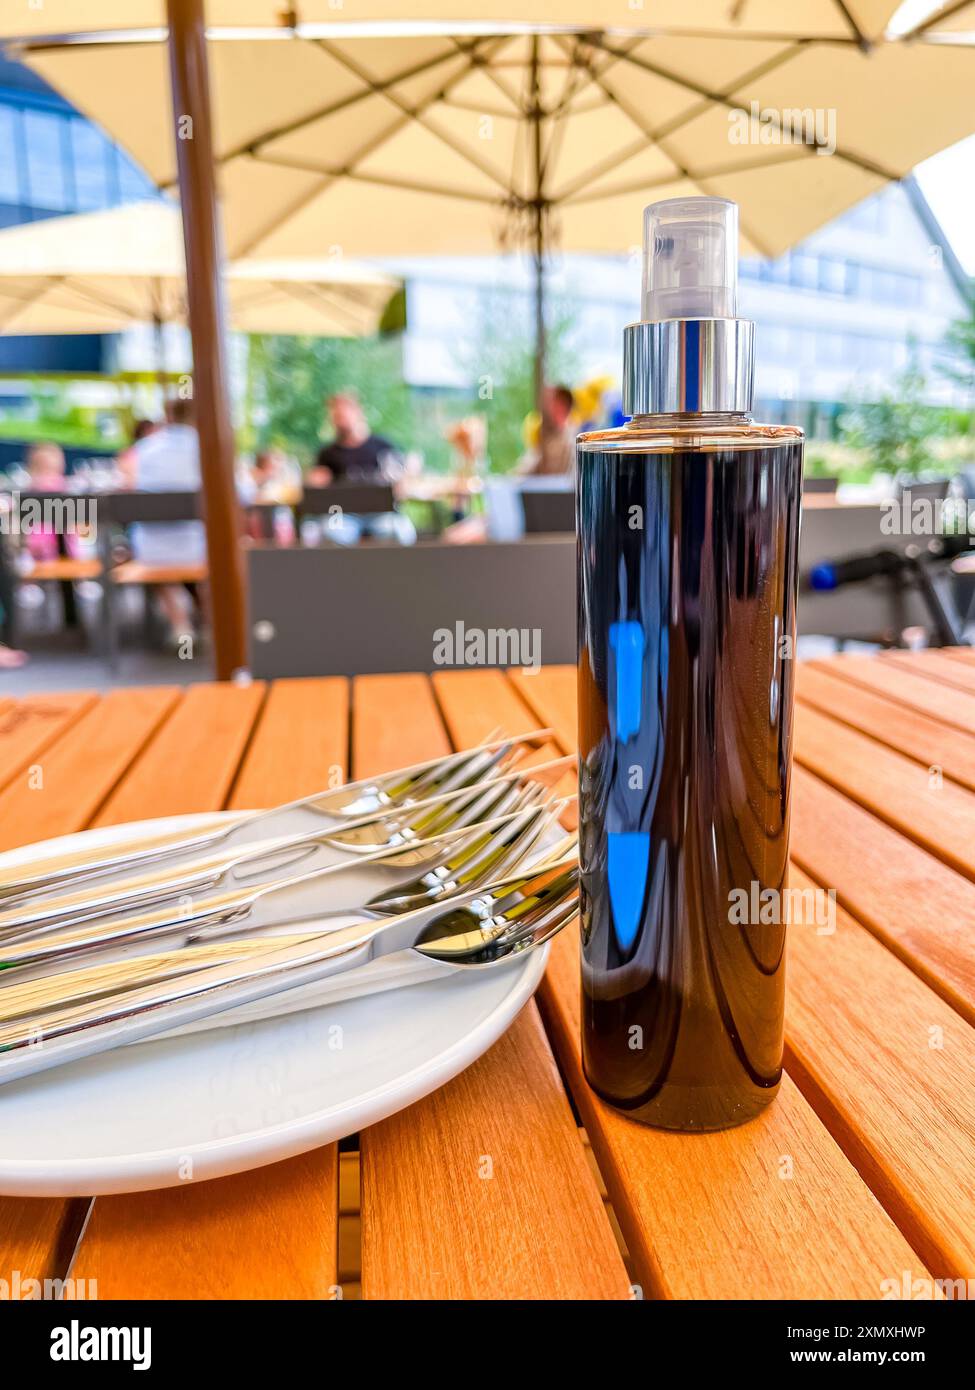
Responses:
[688,366]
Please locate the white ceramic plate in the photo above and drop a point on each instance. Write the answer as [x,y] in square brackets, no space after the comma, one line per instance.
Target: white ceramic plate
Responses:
[222,1101]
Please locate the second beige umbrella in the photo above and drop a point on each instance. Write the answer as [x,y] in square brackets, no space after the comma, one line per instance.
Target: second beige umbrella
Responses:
[101,272]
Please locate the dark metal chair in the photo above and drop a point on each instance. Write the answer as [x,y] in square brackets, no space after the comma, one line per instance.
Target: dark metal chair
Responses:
[357,499]
[116,512]
[329,610]
[548,511]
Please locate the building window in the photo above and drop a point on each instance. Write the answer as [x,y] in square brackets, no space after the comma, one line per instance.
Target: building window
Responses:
[832,276]
[10,133]
[91,154]
[45,161]
[803,270]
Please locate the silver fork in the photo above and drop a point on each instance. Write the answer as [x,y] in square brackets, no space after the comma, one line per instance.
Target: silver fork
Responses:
[489,848]
[484,926]
[405,786]
[448,810]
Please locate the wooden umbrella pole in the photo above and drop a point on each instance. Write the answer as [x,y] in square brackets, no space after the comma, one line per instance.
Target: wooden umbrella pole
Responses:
[201,237]
[538,230]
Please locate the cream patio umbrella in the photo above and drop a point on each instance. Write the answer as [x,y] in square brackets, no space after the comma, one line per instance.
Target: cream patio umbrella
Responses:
[860,20]
[101,272]
[439,144]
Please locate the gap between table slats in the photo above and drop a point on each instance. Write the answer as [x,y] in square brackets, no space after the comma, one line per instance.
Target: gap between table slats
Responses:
[29,726]
[482,1189]
[935,665]
[909,731]
[890,1069]
[933,811]
[271,1232]
[68,783]
[915,904]
[906,686]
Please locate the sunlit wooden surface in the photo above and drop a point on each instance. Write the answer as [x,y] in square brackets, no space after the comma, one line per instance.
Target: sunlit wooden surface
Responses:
[864,1168]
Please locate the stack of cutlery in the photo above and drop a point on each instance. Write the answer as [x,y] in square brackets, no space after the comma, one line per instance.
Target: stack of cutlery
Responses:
[452,858]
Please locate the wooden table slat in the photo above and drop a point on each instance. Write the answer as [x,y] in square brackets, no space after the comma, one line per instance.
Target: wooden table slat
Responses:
[191,763]
[907,686]
[482,1189]
[272,1232]
[935,813]
[299,746]
[915,904]
[910,731]
[395,722]
[96,742]
[772,1209]
[460,1196]
[937,666]
[28,727]
[476,703]
[890,1069]
[269,1233]
[79,771]
[551,694]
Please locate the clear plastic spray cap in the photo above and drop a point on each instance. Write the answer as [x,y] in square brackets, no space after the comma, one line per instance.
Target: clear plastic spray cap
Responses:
[690,259]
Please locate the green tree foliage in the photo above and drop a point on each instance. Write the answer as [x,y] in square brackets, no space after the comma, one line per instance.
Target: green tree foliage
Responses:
[898,431]
[960,346]
[500,358]
[291,378]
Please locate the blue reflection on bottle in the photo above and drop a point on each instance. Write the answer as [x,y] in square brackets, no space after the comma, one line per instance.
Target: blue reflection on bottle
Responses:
[627,847]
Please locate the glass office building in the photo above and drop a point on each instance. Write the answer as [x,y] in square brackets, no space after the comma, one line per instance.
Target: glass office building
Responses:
[52,162]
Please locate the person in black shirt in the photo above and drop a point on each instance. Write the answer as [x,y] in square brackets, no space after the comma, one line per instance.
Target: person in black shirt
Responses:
[355,455]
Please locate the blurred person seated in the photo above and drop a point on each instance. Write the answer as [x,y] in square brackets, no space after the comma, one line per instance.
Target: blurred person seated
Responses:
[168,460]
[10,657]
[555,453]
[125,462]
[275,477]
[46,469]
[272,480]
[355,455]
[468,441]
[46,466]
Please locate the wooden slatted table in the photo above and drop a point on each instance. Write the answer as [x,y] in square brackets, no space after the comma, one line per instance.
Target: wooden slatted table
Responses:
[863,1169]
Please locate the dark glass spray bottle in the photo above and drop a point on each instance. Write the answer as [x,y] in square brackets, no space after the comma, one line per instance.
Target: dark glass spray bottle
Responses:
[688,536]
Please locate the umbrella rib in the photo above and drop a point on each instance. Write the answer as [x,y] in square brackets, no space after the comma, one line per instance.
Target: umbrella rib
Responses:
[373,88]
[574,83]
[318,294]
[380,180]
[289,290]
[720,99]
[26,300]
[715,172]
[610,162]
[664,179]
[417,114]
[860,37]
[328,176]
[938,17]
[20,302]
